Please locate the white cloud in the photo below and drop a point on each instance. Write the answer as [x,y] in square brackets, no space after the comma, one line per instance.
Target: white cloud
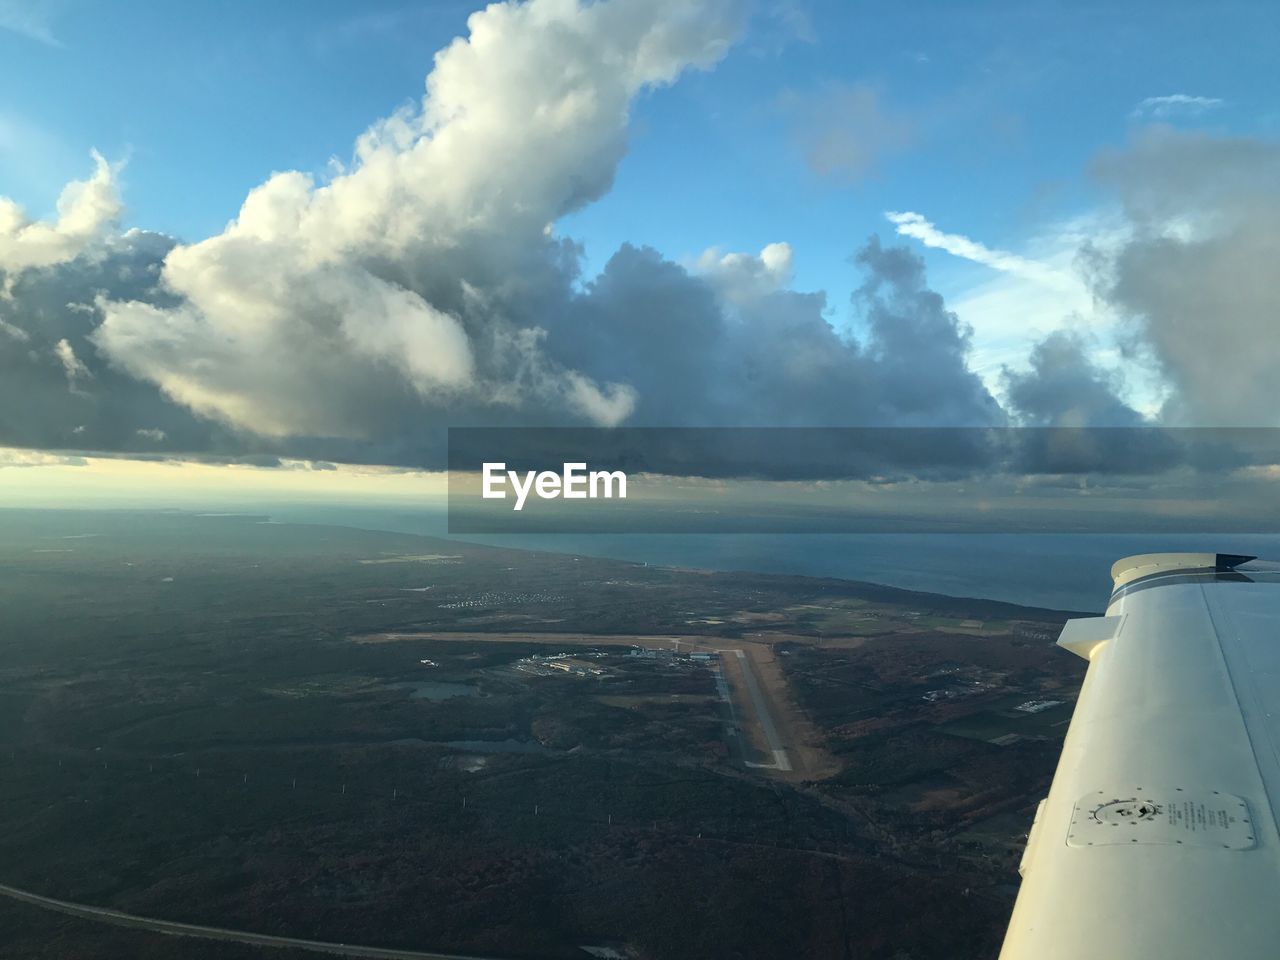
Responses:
[17,333]
[1030,298]
[742,277]
[607,407]
[914,225]
[71,365]
[1173,104]
[322,305]
[14,457]
[88,210]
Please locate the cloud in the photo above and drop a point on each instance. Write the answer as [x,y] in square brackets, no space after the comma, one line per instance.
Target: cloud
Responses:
[846,130]
[1173,283]
[919,347]
[53,315]
[1174,104]
[909,224]
[352,319]
[743,277]
[1194,279]
[1023,300]
[88,212]
[1066,387]
[37,458]
[733,346]
[407,287]
[423,285]
[71,365]
[14,331]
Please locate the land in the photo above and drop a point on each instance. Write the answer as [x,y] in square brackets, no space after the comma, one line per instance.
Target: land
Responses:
[349,736]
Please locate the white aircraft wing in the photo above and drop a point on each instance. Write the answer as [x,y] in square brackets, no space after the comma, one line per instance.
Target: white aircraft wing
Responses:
[1158,840]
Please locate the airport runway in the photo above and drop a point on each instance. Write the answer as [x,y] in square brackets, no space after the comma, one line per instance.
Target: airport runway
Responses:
[780,759]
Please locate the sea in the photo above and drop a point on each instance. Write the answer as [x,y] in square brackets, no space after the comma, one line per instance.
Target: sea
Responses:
[1057,571]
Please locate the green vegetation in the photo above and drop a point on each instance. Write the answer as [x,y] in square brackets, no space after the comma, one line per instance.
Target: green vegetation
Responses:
[212,719]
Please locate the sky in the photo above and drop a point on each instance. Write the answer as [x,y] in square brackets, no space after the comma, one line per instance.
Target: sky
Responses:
[323,234]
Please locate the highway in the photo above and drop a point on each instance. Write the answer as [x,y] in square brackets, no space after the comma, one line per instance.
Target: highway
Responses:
[172,928]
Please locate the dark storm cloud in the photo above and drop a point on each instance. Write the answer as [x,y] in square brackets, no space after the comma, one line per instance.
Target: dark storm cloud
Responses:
[772,358]
[55,390]
[919,347]
[1065,388]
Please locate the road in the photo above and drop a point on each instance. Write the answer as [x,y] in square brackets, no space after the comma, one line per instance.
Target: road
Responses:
[172,928]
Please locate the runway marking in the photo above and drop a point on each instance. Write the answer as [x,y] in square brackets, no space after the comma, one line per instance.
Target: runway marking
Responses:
[780,759]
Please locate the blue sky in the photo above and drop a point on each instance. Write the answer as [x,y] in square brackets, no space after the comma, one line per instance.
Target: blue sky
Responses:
[1002,105]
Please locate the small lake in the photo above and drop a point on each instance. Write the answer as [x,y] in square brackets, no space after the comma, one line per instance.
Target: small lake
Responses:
[436,689]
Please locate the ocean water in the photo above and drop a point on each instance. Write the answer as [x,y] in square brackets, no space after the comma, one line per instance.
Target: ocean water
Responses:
[1060,571]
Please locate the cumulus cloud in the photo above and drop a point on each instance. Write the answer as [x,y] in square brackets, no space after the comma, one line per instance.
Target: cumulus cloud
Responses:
[423,284]
[1174,104]
[734,347]
[88,211]
[403,287]
[1066,387]
[1022,298]
[1195,277]
[52,313]
[743,277]
[920,348]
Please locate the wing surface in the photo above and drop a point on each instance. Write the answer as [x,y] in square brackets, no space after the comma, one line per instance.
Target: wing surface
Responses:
[1158,839]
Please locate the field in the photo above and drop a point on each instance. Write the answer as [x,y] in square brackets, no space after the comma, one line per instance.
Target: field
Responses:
[376,738]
